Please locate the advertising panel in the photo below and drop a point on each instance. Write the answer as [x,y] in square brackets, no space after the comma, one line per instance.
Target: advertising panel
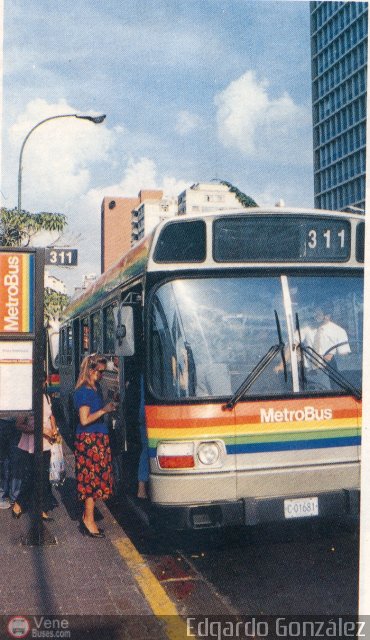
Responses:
[16,360]
[17,276]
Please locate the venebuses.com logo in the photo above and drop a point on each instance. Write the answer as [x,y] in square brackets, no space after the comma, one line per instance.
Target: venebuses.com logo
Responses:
[18,627]
[38,627]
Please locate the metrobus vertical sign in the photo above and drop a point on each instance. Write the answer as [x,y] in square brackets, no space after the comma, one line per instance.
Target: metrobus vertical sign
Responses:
[17,292]
[17,329]
[22,355]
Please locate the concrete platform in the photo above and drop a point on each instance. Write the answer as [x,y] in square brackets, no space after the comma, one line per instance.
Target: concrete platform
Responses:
[86,582]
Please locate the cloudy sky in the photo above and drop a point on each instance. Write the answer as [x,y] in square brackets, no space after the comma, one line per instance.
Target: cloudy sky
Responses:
[192,91]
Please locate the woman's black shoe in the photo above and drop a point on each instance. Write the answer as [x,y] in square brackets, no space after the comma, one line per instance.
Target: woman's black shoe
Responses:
[47,519]
[87,532]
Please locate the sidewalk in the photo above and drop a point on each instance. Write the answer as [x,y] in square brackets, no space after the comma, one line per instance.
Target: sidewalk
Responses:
[78,576]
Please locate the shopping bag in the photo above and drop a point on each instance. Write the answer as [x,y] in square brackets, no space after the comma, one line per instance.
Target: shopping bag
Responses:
[57,473]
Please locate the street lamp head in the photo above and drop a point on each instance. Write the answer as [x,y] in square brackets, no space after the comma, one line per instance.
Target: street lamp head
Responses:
[95,119]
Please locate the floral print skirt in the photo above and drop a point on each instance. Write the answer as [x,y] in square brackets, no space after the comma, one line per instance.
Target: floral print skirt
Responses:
[93,466]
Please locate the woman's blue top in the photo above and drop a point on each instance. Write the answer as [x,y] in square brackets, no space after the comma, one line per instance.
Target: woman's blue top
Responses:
[87,397]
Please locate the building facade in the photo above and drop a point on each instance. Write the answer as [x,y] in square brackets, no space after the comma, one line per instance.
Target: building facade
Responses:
[116,224]
[149,214]
[207,196]
[339,69]
[55,284]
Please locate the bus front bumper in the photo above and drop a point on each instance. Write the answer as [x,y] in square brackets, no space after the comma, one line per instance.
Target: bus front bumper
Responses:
[251,511]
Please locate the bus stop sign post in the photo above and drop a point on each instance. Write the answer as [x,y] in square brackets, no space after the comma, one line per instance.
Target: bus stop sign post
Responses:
[38,534]
[22,351]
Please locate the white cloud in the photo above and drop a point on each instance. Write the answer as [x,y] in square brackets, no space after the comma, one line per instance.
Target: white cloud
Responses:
[273,192]
[251,121]
[58,153]
[138,174]
[57,174]
[186,122]
[84,216]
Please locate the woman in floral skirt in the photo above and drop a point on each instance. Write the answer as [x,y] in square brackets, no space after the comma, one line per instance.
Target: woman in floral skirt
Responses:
[92,451]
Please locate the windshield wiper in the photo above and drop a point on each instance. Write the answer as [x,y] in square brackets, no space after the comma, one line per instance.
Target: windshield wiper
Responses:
[253,375]
[302,366]
[258,369]
[332,373]
[281,345]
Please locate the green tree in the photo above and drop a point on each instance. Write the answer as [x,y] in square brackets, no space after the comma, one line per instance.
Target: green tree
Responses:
[17,228]
[54,305]
[245,201]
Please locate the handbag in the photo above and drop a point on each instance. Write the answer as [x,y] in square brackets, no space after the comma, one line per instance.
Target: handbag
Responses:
[57,471]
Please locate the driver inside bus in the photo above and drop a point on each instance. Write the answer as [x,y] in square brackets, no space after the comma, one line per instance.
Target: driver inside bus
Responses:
[329,338]
[325,338]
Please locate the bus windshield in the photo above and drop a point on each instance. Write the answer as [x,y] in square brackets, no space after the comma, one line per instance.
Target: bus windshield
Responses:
[208,334]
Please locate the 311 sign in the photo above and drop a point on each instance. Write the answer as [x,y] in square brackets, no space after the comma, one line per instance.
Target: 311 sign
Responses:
[61,257]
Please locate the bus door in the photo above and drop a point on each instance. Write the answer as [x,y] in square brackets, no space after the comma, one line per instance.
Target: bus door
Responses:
[129,362]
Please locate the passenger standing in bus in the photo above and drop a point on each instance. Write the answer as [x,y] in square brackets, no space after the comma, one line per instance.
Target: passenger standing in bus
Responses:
[92,450]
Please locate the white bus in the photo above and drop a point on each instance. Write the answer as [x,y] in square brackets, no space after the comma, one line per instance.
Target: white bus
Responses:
[248,419]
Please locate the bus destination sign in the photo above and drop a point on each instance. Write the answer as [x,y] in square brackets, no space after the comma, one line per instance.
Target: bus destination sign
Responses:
[58,257]
[281,239]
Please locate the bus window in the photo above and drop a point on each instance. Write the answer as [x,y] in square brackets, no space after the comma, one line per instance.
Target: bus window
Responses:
[182,242]
[96,332]
[208,334]
[360,242]
[69,344]
[341,299]
[85,337]
[108,330]
[62,343]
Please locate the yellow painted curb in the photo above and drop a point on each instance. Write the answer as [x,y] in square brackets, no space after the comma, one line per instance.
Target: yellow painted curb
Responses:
[153,591]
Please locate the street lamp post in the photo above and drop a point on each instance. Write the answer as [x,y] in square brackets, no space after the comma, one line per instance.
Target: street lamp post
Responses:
[38,534]
[95,119]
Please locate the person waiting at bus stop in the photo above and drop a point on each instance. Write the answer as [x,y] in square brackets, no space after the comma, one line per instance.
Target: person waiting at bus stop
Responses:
[92,450]
[10,481]
[26,452]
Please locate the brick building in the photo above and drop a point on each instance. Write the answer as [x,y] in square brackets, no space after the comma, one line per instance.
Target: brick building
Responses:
[116,224]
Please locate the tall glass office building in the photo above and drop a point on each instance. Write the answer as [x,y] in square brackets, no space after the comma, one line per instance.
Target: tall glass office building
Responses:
[339,67]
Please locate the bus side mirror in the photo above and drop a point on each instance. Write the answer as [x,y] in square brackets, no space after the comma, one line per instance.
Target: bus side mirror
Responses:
[124,330]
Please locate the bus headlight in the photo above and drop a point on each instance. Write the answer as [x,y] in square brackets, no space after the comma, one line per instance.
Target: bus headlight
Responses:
[208,453]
